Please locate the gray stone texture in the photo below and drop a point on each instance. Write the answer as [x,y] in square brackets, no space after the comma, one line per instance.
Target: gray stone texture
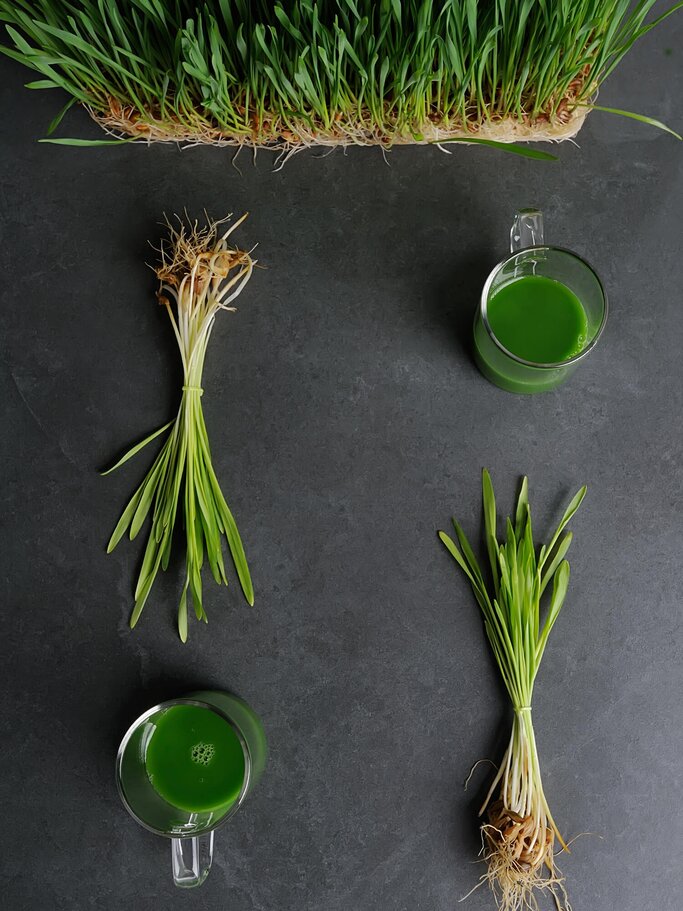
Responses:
[348,424]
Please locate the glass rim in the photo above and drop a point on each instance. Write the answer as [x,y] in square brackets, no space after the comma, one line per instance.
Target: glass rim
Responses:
[140,720]
[483,307]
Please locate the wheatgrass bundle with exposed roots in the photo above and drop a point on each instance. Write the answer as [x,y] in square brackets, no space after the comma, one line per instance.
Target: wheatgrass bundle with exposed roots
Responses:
[201,273]
[519,833]
[295,73]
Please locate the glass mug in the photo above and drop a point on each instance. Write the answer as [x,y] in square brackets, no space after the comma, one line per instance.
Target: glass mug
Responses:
[191,832]
[529,255]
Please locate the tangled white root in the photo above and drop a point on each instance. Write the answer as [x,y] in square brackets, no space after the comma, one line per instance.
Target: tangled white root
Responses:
[518,838]
[519,855]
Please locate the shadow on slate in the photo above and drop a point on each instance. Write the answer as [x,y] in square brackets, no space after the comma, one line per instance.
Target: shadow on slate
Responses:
[478,785]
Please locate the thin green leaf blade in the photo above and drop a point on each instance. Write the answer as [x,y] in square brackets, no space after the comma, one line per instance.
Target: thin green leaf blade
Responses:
[522,509]
[147,570]
[560,586]
[60,116]
[135,449]
[41,84]
[125,520]
[238,556]
[468,553]
[89,143]
[182,615]
[452,548]
[650,121]
[560,554]
[512,147]
[148,493]
[477,587]
[490,524]
[576,501]
[144,589]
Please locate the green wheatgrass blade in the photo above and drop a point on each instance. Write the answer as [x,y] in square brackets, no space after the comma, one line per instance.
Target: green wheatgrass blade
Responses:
[87,143]
[131,509]
[521,514]
[41,84]
[167,542]
[569,512]
[469,555]
[135,449]
[491,525]
[237,552]
[212,540]
[182,615]
[199,538]
[148,573]
[58,119]
[560,585]
[203,493]
[144,505]
[149,560]
[170,493]
[196,589]
[125,520]
[560,554]
[201,273]
[288,75]
[229,526]
[458,557]
[650,121]
[519,833]
[512,147]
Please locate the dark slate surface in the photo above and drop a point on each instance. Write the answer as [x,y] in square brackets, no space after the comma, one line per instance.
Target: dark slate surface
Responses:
[348,423]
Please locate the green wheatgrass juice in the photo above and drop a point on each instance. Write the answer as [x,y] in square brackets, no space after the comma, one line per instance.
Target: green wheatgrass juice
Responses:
[538,319]
[195,760]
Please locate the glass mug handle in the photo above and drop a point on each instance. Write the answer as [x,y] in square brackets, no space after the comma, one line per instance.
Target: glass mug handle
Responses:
[526,230]
[191,859]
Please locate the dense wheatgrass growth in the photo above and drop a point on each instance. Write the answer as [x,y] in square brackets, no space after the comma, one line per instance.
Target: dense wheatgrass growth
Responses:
[519,834]
[201,273]
[297,72]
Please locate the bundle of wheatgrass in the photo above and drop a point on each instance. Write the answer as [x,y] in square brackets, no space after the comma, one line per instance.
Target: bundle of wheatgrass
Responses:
[293,73]
[519,834]
[200,274]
